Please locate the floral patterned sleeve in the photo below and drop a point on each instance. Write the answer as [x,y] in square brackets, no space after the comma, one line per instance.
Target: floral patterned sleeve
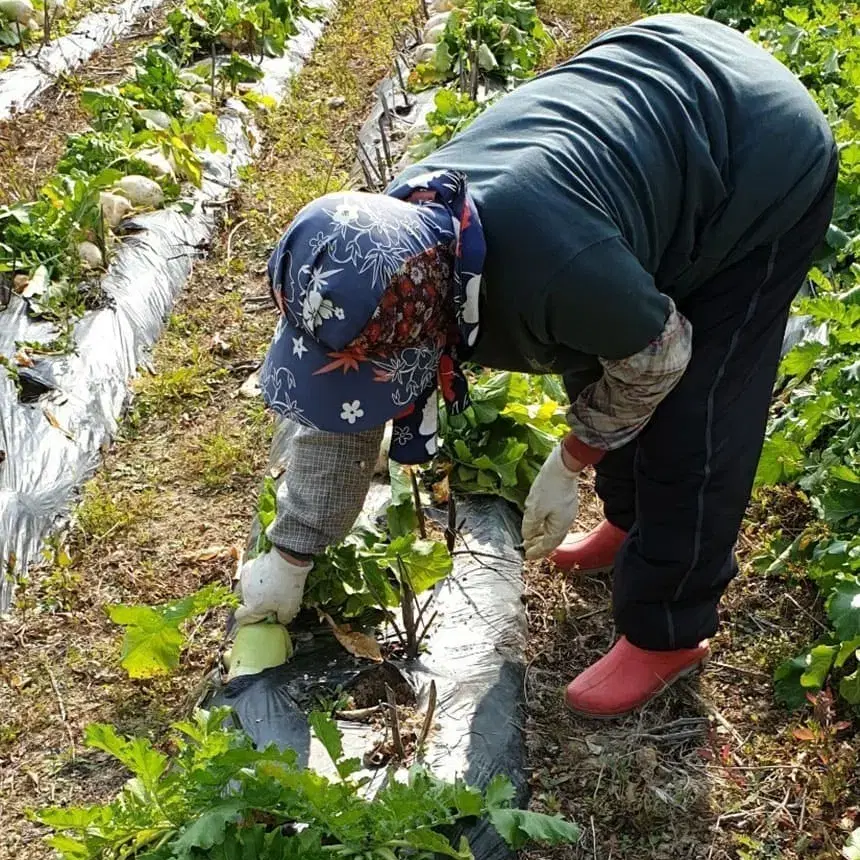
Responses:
[612,411]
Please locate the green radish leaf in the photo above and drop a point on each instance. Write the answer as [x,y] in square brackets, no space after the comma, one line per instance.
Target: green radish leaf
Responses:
[819,662]
[844,610]
[153,639]
[849,688]
[209,829]
[137,754]
[781,461]
[468,800]
[328,734]
[428,840]
[786,682]
[500,791]
[846,650]
[518,827]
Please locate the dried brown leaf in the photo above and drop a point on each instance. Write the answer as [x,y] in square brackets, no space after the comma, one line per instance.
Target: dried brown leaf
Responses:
[210,553]
[358,644]
[52,420]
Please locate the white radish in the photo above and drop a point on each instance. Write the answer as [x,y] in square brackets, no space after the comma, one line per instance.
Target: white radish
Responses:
[20,11]
[437,19]
[424,53]
[189,79]
[433,34]
[189,101]
[157,162]
[37,284]
[90,255]
[157,118]
[258,647]
[114,208]
[141,191]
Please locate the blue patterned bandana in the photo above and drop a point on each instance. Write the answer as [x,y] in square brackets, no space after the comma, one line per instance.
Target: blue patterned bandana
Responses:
[379,298]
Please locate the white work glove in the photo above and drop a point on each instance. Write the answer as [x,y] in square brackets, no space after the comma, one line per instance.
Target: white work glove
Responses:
[551,507]
[271,585]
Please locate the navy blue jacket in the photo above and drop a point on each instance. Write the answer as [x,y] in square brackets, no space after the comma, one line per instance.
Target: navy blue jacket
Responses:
[661,153]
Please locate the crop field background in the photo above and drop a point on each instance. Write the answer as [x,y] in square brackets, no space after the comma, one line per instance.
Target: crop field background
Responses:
[756,759]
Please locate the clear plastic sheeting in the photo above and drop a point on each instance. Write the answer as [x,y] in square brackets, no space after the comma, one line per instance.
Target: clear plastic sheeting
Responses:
[53,444]
[29,76]
[474,654]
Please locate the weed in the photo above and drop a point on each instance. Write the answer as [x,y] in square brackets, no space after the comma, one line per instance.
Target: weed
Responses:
[220,458]
[100,513]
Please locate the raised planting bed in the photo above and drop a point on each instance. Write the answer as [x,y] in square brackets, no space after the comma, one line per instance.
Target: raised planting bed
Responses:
[454,708]
[31,73]
[72,333]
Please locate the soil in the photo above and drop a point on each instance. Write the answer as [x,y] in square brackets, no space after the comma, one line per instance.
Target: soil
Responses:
[712,769]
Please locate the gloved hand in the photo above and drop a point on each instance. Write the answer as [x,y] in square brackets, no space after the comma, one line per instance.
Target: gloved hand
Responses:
[271,585]
[551,507]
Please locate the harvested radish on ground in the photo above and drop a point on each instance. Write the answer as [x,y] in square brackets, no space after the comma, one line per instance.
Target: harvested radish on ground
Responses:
[141,191]
[90,255]
[114,208]
[424,53]
[20,11]
[257,647]
[434,34]
[157,161]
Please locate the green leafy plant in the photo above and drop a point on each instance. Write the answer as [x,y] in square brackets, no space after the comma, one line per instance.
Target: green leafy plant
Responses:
[453,112]
[237,70]
[267,508]
[362,577]
[201,27]
[220,798]
[499,443]
[154,635]
[504,39]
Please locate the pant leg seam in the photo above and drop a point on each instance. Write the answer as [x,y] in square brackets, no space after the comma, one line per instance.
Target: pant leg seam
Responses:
[709,419]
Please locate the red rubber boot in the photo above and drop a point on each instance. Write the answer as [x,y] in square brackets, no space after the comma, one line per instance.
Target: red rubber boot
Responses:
[593,552]
[629,677]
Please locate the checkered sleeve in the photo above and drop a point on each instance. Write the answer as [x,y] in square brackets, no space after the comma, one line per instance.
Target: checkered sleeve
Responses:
[326,479]
[612,411]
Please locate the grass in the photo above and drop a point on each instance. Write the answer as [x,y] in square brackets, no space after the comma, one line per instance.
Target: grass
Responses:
[104,511]
[573,23]
[224,456]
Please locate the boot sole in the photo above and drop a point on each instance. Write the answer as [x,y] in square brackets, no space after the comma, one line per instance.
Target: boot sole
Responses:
[586,571]
[683,673]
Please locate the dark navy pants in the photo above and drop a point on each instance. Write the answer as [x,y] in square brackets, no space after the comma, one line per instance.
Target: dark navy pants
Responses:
[681,488]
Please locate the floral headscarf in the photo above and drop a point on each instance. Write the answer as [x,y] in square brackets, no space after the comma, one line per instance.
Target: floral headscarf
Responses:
[379,299]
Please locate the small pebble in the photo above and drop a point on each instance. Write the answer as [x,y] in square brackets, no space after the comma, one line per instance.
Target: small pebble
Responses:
[336,102]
